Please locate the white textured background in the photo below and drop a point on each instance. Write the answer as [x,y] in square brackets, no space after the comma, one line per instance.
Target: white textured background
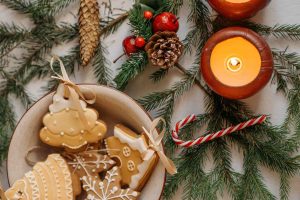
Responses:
[267,101]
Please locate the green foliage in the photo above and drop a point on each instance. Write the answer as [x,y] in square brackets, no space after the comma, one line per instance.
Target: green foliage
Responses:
[283,31]
[131,68]
[140,25]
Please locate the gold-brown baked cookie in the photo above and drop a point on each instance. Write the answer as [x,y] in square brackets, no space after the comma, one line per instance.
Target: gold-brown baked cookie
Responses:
[48,180]
[109,188]
[131,149]
[64,128]
[89,162]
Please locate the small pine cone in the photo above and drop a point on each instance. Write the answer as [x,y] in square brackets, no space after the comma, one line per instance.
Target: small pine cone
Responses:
[89,29]
[164,49]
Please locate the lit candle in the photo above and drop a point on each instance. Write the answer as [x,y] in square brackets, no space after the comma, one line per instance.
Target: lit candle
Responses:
[236,63]
[238,9]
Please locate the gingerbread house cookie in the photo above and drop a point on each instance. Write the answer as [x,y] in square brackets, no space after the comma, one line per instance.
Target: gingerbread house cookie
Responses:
[48,180]
[64,128]
[132,151]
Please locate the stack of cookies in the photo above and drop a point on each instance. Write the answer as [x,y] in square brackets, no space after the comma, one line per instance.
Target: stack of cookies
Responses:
[90,166]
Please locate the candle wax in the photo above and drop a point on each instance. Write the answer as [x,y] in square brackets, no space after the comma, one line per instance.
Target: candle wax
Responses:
[235,62]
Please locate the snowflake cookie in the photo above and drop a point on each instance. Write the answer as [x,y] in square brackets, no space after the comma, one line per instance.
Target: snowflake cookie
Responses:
[64,128]
[131,151]
[89,162]
[109,188]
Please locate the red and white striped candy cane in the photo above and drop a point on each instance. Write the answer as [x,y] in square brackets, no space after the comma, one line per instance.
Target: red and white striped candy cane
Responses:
[211,136]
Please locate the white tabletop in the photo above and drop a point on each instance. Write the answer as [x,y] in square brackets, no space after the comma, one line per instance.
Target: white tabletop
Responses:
[267,101]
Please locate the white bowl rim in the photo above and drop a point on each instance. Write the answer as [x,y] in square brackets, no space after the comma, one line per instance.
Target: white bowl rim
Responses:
[87,84]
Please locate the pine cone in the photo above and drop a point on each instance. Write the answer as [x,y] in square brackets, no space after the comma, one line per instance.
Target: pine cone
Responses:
[89,29]
[164,49]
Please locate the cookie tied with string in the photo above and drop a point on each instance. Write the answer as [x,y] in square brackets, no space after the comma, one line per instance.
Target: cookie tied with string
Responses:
[136,159]
[70,123]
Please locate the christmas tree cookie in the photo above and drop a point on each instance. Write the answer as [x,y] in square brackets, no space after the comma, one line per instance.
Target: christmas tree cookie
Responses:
[109,188]
[136,159]
[48,180]
[63,126]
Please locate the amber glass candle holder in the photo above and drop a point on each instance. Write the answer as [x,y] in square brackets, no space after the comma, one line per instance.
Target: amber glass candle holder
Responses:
[236,63]
[238,9]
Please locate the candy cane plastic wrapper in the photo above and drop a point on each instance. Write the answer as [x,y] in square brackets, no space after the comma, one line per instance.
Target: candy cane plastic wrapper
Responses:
[179,125]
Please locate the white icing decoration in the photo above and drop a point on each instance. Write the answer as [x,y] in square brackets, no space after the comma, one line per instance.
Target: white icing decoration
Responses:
[126,151]
[70,125]
[142,168]
[135,143]
[60,103]
[67,175]
[100,191]
[34,186]
[130,165]
[79,162]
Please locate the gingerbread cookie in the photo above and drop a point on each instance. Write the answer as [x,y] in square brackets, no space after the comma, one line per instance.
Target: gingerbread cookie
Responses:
[48,180]
[109,188]
[89,162]
[2,196]
[133,149]
[64,128]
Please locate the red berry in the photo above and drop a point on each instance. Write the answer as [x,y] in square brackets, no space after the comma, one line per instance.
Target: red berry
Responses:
[165,21]
[129,45]
[148,14]
[140,42]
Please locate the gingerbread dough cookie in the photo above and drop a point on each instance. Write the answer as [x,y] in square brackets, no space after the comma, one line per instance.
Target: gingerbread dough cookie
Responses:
[48,180]
[89,162]
[133,149]
[64,128]
[109,188]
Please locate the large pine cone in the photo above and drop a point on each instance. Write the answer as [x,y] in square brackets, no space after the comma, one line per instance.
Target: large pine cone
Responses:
[89,29]
[164,49]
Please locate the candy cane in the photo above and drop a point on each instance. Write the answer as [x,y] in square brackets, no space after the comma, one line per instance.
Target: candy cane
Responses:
[179,125]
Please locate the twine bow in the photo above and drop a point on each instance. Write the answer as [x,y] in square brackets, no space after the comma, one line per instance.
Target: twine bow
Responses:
[155,144]
[73,91]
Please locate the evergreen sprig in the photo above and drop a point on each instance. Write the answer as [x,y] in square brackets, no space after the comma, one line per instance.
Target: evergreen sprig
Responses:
[131,68]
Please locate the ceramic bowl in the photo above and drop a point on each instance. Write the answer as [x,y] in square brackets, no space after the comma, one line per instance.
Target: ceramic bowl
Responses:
[113,107]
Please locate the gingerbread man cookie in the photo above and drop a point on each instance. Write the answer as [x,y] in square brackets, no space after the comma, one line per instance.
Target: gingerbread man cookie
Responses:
[48,180]
[64,128]
[89,162]
[133,149]
[109,188]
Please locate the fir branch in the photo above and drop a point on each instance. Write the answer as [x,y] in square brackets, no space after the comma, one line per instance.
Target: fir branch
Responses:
[201,30]
[173,6]
[279,31]
[58,5]
[158,75]
[131,68]
[101,71]
[113,25]
[140,25]
[10,37]
[23,6]
[7,123]
[252,186]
